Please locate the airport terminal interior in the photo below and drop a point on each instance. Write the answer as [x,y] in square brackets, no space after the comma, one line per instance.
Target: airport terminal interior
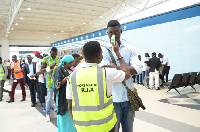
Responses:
[164,29]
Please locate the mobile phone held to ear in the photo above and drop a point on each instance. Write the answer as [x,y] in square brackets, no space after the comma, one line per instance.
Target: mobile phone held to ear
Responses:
[113,39]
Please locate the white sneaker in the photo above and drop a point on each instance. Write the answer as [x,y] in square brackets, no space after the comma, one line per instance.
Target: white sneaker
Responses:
[47,118]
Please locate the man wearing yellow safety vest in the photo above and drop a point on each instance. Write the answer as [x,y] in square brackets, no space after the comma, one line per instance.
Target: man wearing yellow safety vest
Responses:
[3,75]
[89,91]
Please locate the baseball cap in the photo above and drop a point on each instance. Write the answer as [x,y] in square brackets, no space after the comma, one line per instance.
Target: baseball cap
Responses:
[37,52]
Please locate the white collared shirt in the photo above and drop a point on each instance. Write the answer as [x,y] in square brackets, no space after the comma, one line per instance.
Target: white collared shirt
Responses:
[165,60]
[38,69]
[112,75]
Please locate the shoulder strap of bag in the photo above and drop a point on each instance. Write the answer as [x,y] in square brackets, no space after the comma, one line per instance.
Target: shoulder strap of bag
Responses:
[112,57]
[113,61]
[136,97]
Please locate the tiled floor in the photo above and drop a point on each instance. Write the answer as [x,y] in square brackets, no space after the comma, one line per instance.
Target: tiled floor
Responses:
[166,112]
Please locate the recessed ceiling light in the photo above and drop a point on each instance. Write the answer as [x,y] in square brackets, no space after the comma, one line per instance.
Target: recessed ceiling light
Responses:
[16,24]
[47,37]
[62,31]
[12,28]
[21,18]
[101,17]
[6,35]
[29,9]
[8,32]
[84,23]
[54,34]
[123,4]
[71,27]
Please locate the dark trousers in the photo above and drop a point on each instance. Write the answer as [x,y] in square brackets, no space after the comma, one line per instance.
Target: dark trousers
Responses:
[165,72]
[139,78]
[113,129]
[2,88]
[21,82]
[33,84]
[9,73]
[43,91]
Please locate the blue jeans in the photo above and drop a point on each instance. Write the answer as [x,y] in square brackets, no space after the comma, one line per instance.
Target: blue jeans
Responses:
[144,74]
[139,78]
[125,116]
[49,99]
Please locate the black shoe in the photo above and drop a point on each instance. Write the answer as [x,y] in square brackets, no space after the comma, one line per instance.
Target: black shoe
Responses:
[23,99]
[32,104]
[157,88]
[10,101]
[1,100]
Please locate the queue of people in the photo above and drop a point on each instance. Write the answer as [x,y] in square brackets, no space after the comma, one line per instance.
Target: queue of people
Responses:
[88,94]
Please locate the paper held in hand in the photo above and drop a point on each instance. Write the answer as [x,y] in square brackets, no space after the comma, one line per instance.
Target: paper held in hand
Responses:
[29,76]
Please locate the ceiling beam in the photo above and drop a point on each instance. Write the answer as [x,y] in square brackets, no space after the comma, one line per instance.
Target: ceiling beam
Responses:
[14,10]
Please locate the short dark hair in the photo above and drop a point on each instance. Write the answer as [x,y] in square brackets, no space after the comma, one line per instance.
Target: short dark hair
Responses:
[91,49]
[29,56]
[14,56]
[154,53]
[76,56]
[0,58]
[113,23]
[54,49]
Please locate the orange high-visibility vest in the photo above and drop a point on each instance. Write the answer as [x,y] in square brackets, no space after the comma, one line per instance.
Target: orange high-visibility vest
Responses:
[17,67]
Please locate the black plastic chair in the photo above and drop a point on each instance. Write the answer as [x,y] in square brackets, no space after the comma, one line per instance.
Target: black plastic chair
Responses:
[185,80]
[198,79]
[192,80]
[176,82]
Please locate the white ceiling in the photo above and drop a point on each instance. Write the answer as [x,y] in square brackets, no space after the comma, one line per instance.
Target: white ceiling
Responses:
[54,16]
[49,17]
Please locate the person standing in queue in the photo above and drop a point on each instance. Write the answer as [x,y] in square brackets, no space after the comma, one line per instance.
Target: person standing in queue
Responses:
[89,91]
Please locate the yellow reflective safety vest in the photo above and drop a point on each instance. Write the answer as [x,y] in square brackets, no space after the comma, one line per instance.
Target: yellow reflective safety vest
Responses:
[2,73]
[92,110]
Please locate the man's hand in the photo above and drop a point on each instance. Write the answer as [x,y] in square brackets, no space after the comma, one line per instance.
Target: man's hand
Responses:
[115,47]
[32,76]
[9,68]
[52,65]
[39,73]
[26,85]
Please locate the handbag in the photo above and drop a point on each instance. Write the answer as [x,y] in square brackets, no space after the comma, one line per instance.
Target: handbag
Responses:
[135,100]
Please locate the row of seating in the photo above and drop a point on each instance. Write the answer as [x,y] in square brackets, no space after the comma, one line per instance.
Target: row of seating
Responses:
[183,80]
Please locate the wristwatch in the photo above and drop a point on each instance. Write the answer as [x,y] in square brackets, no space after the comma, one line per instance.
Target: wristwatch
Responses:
[119,58]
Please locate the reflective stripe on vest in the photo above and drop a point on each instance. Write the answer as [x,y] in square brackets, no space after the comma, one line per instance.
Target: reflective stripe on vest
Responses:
[95,122]
[77,107]
[92,110]
[16,69]
[2,72]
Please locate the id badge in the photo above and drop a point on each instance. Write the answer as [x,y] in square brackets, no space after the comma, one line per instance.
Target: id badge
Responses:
[15,80]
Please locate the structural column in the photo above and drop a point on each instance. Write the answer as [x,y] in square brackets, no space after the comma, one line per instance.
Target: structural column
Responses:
[5,53]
